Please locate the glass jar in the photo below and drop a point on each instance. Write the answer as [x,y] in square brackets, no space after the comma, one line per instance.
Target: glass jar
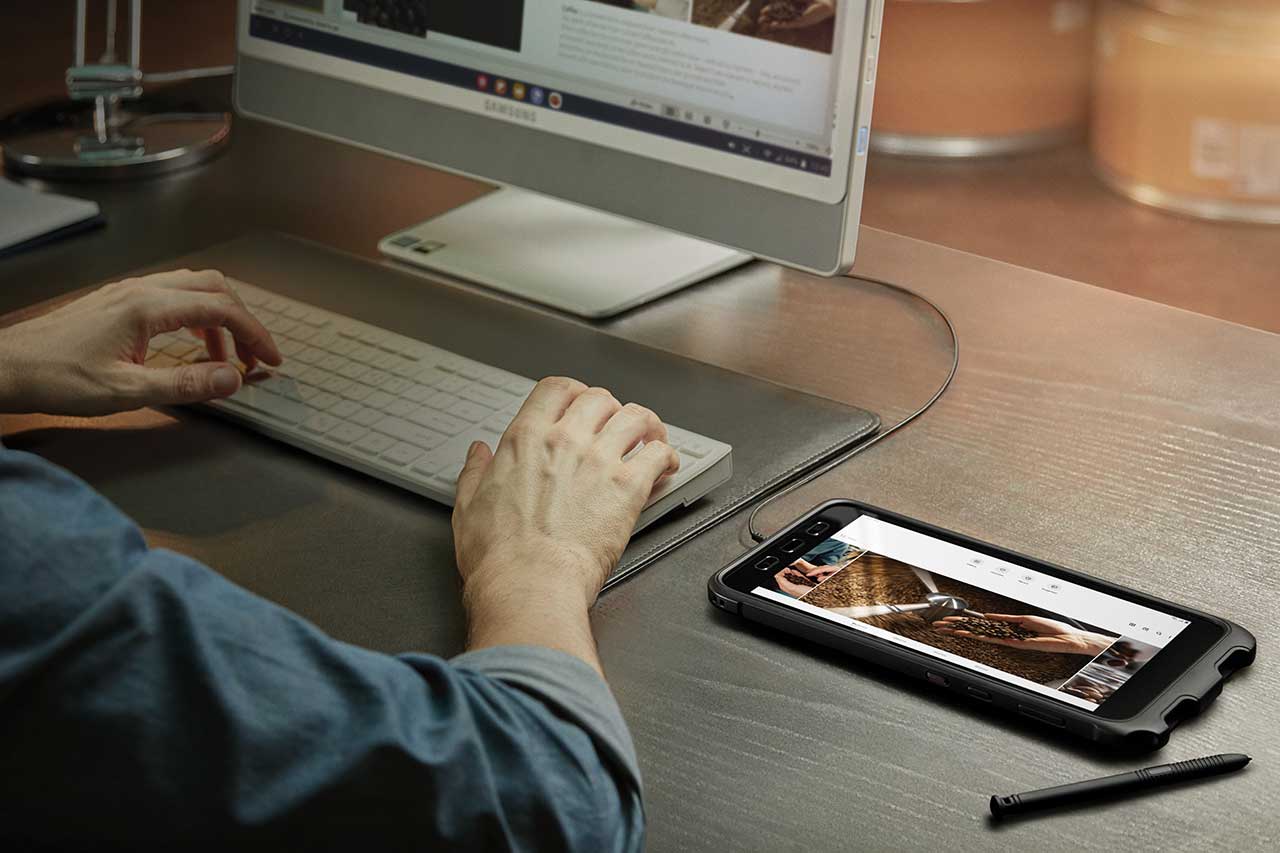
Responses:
[1186,112]
[966,78]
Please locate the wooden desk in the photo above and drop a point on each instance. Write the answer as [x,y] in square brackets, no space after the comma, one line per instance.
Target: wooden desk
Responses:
[1136,441]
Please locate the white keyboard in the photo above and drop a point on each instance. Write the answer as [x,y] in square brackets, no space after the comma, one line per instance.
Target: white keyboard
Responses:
[396,408]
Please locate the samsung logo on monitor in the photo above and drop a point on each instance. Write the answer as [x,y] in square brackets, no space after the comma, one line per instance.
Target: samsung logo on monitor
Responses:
[512,111]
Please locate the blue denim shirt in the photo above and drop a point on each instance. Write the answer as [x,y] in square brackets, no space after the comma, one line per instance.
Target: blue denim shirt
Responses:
[144,699]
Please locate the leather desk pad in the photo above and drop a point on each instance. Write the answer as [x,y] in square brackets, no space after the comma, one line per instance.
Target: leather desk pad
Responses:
[776,433]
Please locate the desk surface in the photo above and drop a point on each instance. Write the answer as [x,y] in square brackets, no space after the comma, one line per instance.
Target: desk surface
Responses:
[1136,441]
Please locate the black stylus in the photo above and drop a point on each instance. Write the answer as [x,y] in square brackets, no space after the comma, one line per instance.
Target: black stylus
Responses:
[1119,785]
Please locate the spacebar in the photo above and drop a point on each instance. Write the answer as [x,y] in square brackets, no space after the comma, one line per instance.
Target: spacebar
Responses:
[282,409]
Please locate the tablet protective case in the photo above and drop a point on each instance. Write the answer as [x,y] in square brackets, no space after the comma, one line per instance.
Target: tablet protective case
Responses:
[1147,730]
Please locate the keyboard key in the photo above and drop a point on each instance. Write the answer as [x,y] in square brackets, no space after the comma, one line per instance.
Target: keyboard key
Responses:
[347,433]
[494,378]
[431,463]
[296,311]
[282,327]
[309,355]
[486,396]
[352,370]
[357,392]
[396,385]
[449,362]
[379,400]
[314,376]
[277,407]
[498,422]
[323,400]
[375,378]
[332,363]
[281,385]
[324,340]
[366,417]
[407,369]
[342,346]
[402,454]
[348,329]
[363,354]
[385,361]
[336,385]
[402,408]
[427,375]
[303,333]
[320,424]
[290,348]
[469,370]
[520,386]
[417,393]
[438,421]
[371,336]
[374,443]
[315,317]
[345,409]
[277,304]
[402,430]
[440,400]
[695,446]
[469,411]
[452,384]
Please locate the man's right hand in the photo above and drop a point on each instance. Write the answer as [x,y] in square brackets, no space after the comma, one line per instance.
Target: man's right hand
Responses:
[541,522]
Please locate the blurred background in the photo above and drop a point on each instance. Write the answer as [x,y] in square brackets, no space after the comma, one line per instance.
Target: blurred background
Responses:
[1130,144]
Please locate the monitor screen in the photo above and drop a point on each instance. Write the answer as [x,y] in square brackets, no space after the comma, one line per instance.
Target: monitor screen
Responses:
[732,87]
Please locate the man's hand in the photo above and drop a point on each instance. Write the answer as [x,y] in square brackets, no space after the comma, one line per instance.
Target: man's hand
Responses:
[86,358]
[1050,635]
[540,523]
[789,583]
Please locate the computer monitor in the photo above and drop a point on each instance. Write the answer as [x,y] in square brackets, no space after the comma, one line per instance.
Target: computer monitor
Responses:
[742,124]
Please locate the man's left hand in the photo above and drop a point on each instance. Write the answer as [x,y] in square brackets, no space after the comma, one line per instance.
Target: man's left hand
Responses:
[87,358]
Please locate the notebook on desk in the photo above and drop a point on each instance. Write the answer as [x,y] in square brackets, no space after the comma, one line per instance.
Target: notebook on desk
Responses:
[30,218]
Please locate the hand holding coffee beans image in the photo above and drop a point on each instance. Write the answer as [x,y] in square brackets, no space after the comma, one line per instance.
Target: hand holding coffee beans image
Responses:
[1034,633]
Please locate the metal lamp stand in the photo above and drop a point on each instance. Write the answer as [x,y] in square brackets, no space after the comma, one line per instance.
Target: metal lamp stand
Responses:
[125,140]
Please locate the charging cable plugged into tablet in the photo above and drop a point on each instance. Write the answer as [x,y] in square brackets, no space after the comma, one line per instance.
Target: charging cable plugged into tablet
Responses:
[845,456]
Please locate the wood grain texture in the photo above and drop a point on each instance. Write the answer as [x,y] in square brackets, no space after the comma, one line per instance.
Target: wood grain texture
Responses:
[1106,433]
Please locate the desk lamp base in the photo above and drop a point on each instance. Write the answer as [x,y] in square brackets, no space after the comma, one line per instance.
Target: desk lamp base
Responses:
[138,145]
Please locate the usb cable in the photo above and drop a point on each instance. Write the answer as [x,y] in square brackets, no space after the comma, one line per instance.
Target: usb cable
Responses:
[866,445]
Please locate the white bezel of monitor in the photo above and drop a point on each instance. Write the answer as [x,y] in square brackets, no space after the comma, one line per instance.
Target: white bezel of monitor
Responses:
[681,187]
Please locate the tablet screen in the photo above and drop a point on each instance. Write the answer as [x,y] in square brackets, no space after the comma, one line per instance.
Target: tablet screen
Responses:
[992,616]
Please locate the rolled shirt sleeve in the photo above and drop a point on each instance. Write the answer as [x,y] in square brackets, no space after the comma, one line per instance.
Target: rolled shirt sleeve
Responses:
[144,698]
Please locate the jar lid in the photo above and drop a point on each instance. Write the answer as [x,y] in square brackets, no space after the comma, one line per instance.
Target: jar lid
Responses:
[1231,13]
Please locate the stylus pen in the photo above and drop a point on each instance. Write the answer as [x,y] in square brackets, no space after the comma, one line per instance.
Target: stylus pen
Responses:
[1119,785]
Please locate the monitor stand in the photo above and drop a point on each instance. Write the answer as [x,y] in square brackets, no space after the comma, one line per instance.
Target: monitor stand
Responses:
[572,258]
